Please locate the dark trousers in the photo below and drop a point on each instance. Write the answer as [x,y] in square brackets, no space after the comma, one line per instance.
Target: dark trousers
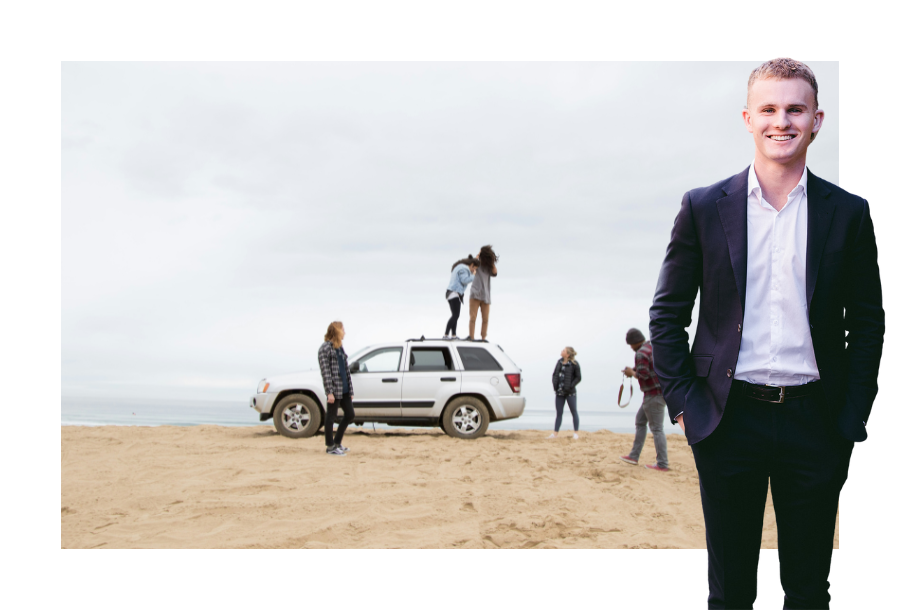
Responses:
[455,306]
[346,404]
[796,446]
[560,403]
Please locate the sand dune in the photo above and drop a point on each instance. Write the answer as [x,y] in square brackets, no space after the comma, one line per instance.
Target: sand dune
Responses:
[218,487]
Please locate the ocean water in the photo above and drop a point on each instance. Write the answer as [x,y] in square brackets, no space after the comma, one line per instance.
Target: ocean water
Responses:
[80,411]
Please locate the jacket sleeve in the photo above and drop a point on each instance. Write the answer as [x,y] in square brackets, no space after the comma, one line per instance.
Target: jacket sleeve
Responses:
[864,323]
[577,377]
[670,314]
[325,367]
[555,378]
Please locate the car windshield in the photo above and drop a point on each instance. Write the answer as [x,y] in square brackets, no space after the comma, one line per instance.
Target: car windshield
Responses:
[358,353]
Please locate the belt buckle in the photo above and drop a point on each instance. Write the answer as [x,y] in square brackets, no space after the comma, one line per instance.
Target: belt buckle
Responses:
[780,397]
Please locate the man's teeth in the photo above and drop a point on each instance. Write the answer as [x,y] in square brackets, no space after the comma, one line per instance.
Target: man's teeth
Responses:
[781,138]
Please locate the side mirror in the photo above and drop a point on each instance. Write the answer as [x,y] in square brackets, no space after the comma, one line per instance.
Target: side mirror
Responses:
[354,367]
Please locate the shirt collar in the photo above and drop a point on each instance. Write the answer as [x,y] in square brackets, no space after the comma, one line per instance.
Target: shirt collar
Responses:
[754,188]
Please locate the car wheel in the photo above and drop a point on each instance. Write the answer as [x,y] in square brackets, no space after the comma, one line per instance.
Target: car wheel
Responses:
[297,416]
[465,417]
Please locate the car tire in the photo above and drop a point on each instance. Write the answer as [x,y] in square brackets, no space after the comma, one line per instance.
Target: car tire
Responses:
[465,417]
[297,416]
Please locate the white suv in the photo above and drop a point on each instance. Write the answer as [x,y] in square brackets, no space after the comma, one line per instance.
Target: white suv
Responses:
[460,386]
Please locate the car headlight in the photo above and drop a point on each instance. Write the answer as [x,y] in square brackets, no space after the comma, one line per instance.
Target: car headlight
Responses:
[262,387]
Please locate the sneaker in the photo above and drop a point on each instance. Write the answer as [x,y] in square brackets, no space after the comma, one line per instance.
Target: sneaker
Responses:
[626,458]
[552,435]
[446,336]
[656,467]
[334,450]
[575,436]
[344,449]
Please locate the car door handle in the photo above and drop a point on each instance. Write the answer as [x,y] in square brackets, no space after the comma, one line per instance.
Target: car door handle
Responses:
[448,378]
[389,380]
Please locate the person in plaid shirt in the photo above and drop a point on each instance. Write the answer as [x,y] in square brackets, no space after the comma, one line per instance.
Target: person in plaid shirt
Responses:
[336,378]
[653,408]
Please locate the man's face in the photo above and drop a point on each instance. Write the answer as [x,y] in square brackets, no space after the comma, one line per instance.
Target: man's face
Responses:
[782,117]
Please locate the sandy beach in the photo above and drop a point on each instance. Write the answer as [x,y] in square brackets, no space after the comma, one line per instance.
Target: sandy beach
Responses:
[248,487]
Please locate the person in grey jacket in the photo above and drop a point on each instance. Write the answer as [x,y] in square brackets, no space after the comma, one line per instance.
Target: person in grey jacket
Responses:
[461,276]
[480,294]
[566,376]
[335,371]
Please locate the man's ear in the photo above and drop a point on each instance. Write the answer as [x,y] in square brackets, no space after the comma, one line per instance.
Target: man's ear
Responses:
[817,124]
[745,113]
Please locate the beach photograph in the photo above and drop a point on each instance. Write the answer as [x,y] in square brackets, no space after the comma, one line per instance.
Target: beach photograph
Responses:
[219,216]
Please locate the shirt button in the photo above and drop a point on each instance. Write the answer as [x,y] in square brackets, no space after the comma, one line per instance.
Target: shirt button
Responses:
[728,373]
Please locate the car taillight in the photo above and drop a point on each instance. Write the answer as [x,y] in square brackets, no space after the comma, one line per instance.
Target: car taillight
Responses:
[514,380]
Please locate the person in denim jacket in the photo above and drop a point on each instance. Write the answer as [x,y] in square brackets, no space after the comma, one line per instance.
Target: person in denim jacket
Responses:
[462,275]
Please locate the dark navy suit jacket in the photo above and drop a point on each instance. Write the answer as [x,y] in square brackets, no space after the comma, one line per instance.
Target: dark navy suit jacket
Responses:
[708,251]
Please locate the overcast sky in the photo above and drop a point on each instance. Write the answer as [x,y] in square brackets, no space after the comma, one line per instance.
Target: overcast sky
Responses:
[217,216]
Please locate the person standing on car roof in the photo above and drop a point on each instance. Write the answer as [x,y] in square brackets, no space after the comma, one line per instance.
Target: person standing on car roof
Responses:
[462,275]
[566,376]
[480,294]
[335,371]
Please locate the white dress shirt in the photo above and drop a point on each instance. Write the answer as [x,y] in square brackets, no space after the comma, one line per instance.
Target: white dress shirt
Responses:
[776,345]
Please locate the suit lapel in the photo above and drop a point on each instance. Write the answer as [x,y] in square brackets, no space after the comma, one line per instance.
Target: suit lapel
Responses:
[820,211]
[733,214]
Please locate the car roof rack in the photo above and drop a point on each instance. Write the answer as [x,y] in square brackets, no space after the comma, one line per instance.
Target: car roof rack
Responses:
[423,338]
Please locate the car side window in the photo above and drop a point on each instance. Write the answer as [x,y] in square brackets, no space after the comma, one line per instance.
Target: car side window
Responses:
[477,359]
[385,360]
[430,359]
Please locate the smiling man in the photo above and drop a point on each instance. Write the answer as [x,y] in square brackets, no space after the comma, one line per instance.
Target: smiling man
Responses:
[780,379]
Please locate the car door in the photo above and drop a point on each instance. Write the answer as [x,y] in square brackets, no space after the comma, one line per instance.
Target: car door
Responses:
[430,377]
[377,382]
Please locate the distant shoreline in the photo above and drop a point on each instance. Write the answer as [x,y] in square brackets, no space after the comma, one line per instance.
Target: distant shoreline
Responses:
[93,413]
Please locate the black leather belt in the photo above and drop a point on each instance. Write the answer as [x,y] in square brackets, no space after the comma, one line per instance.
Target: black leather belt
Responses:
[776,393]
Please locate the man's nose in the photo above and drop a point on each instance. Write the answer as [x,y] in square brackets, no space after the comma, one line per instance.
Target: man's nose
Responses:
[781,119]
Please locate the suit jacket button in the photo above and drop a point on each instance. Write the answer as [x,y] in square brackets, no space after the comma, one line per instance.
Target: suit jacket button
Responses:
[728,372]
[739,328]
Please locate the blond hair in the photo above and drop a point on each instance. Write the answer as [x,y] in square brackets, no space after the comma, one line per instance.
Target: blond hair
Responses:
[332,334]
[571,352]
[784,68]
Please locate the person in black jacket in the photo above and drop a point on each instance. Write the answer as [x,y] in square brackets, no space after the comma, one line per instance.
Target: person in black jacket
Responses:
[566,376]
